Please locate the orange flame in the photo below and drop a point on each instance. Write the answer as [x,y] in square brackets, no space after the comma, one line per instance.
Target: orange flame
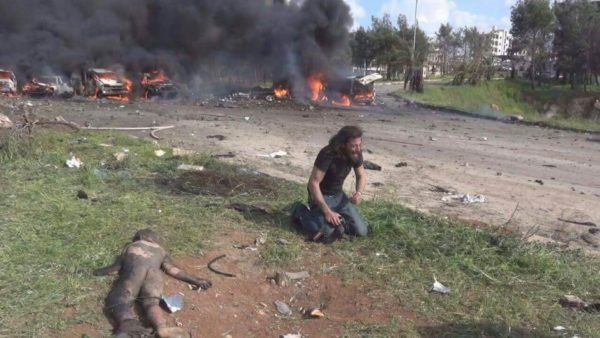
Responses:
[316,84]
[155,76]
[343,101]
[281,92]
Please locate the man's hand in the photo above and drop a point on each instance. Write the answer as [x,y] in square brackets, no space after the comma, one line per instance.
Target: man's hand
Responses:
[356,198]
[333,218]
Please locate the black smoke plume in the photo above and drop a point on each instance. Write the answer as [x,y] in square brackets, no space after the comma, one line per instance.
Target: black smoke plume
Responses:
[204,39]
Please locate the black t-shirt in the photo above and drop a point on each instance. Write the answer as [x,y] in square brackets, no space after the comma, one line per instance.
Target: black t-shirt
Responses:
[336,167]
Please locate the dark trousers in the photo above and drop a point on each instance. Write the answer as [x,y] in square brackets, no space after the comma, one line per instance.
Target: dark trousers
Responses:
[312,221]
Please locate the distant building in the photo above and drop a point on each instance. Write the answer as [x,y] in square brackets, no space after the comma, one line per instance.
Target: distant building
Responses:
[501,41]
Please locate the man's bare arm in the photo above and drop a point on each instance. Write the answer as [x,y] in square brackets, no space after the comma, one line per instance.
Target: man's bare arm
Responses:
[114,267]
[173,271]
[361,183]
[314,182]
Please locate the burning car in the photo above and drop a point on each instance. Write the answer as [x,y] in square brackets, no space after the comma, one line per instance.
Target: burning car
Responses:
[51,85]
[99,83]
[8,82]
[157,84]
[358,90]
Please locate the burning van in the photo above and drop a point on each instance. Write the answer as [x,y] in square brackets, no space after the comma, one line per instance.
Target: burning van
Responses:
[52,85]
[8,82]
[99,82]
[157,84]
[358,89]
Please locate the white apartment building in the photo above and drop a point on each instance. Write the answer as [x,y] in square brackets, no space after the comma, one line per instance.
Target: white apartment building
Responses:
[501,41]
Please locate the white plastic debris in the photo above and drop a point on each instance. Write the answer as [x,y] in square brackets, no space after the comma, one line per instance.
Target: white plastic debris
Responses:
[120,156]
[247,118]
[464,198]
[483,138]
[439,287]
[283,308]
[5,122]
[190,167]
[291,335]
[73,162]
[174,303]
[559,328]
[159,153]
[275,154]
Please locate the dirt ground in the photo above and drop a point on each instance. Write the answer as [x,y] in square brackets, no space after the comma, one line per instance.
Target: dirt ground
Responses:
[501,161]
[244,306]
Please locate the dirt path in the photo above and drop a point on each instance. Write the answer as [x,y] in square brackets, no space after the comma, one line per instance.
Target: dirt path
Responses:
[498,160]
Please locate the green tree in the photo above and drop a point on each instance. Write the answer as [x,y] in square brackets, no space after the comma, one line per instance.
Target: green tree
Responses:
[444,42]
[532,25]
[576,40]
[362,48]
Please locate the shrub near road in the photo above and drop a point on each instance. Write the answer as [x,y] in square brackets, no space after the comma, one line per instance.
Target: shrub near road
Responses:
[51,240]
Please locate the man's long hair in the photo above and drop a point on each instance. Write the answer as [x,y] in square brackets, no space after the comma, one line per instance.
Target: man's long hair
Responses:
[339,140]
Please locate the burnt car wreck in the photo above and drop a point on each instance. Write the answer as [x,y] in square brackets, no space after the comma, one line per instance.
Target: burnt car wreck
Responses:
[48,86]
[99,83]
[8,82]
[156,84]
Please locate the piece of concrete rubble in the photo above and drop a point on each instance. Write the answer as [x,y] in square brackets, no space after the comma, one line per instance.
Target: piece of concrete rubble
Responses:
[283,308]
[120,156]
[182,152]
[5,122]
[190,167]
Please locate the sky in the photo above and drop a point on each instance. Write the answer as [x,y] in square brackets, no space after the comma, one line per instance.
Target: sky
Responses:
[431,13]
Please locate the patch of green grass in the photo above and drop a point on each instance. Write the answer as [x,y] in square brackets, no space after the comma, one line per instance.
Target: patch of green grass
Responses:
[494,279]
[511,97]
[51,241]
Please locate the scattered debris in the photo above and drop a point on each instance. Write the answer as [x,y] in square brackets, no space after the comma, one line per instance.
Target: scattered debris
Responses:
[210,267]
[431,138]
[73,162]
[159,153]
[587,224]
[120,156]
[182,152]
[82,195]
[283,241]
[437,188]
[282,279]
[371,166]
[549,165]
[276,154]
[260,240]
[464,198]
[218,137]
[173,303]
[227,155]
[283,308]
[439,287]
[540,182]
[515,118]
[593,231]
[574,302]
[401,165]
[313,313]
[249,208]
[591,239]
[190,167]
[559,328]
[297,275]
[291,335]
[377,184]
[247,118]
[483,138]
[5,122]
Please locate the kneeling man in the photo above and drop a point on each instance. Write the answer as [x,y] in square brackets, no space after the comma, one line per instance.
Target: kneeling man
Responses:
[331,212]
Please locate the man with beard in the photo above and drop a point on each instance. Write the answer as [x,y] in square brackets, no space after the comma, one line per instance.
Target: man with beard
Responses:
[331,214]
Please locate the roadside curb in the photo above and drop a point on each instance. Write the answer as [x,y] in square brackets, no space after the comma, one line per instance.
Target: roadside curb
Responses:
[451,110]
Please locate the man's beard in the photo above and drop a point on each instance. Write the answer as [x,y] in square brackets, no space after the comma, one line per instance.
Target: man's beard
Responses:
[352,156]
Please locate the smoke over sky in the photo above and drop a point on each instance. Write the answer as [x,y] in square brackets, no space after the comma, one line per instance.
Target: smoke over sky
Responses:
[188,37]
